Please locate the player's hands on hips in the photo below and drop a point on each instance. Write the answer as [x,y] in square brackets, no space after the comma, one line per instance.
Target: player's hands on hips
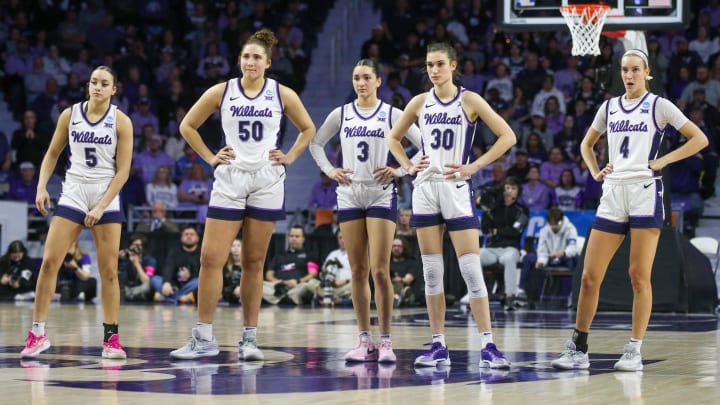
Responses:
[93,216]
[341,175]
[279,158]
[604,172]
[456,171]
[385,174]
[421,165]
[657,164]
[224,156]
[42,201]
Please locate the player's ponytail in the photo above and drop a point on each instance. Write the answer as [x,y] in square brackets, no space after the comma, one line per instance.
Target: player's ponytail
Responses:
[264,38]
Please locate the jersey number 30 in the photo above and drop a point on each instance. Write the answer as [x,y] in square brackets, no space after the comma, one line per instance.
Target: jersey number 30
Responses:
[247,130]
[444,139]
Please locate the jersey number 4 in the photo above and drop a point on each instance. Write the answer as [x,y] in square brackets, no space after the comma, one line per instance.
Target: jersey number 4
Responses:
[625,147]
[247,130]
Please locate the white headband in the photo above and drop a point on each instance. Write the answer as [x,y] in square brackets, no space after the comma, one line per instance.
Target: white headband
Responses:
[641,54]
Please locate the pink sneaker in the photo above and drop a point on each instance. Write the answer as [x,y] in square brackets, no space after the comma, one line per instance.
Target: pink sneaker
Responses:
[34,345]
[365,351]
[112,349]
[386,354]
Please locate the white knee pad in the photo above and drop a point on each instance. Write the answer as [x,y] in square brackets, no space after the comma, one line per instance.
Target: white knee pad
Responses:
[433,270]
[471,271]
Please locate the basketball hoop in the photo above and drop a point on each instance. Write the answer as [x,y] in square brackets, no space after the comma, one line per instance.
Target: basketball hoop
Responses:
[585,22]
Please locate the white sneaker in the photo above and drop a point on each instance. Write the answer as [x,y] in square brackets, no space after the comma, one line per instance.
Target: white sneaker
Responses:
[631,360]
[571,359]
[196,347]
[248,350]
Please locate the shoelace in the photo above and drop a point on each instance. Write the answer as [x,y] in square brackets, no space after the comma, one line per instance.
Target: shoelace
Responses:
[385,344]
[628,355]
[113,343]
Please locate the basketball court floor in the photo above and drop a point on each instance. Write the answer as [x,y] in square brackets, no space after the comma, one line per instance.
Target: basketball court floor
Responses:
[304,350]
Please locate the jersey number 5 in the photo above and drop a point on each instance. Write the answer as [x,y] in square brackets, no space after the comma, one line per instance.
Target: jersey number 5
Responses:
[90,157]
[247,130]
[625,147]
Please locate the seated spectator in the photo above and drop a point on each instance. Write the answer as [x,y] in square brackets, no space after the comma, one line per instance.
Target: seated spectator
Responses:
[194,191]
[537,154]
[233,273]
[323,194]
[158,221]
[684,187]
[492,191]
[29,142]
[143,116]
[403,223]
[521,167]
[536,195]
[503,226]
[24,188]
[335,276]
[567,196]
[291,276]
[75,281]
[17,274]
[185,162]
[147,162]
[179,280]
[554,116]
[161,188]
[550,171]
[405,273]
[557,247]
[539,127]
[135,268]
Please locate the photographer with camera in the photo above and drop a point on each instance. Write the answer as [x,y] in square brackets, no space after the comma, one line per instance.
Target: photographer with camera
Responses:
[179,280]
[503,225]
[405,273]
[74,279]
[233,274]
[292,275]
[17,273]
[135,269]
[336,276]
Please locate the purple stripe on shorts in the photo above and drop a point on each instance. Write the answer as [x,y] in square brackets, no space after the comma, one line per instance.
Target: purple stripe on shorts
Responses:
[420,220]
[70,213]
[226,214]
[112,217]
[461,224]
[606,225]
[264,214]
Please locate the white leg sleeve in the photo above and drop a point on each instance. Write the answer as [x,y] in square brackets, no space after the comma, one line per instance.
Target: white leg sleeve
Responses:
[433,270]
[471,271]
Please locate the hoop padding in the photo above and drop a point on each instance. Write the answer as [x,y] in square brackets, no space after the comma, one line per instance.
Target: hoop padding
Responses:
[585,22]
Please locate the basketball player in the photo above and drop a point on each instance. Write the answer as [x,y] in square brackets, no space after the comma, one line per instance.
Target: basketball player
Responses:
[248,192]
[100,138]
[443,194]
[367,201]
[631,200]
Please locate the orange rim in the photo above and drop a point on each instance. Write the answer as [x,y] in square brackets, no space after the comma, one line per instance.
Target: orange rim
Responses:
[579,8]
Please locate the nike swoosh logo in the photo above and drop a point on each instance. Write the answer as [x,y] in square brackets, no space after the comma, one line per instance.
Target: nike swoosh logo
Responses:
[348,118]
[613,112]
[385,187]
[429,105]
[460,185]
[647,185]
[234,98]
[370,351]
[75,123]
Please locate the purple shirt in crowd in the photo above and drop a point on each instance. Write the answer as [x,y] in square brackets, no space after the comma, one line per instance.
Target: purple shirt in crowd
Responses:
[197,187]
[551,171]
[535,198]
[148,163]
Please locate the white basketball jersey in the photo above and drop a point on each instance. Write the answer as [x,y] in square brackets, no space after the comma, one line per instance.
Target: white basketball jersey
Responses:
[633,139]
[251,125]
[447,134]
[92,146]
[363,140]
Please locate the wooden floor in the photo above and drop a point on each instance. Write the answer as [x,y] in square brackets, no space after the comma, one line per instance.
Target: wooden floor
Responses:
[304,348]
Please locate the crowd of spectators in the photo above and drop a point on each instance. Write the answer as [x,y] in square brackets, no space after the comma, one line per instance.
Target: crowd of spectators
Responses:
[167,53]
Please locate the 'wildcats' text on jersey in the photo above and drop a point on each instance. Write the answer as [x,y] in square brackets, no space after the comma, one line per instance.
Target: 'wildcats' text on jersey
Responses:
[447,134]
[251,125]
[633,138]
[363,140]
[92,145]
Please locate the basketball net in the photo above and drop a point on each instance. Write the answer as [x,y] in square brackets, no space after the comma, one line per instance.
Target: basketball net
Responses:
[585,22]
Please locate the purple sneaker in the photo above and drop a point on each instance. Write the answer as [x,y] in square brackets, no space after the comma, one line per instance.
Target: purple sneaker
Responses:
[437,355]
[493,358]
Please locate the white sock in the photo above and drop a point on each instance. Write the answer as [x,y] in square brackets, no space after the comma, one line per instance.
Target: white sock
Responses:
[485,338]
[384,337]
[365,336]
[250,332]
[205,330]
[38,328]
[636,343]
[440,337]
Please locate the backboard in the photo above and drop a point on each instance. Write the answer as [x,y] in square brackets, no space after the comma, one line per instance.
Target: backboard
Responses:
[544,15]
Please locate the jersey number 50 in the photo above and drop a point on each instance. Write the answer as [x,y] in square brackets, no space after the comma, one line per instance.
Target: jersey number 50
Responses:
[247,130]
